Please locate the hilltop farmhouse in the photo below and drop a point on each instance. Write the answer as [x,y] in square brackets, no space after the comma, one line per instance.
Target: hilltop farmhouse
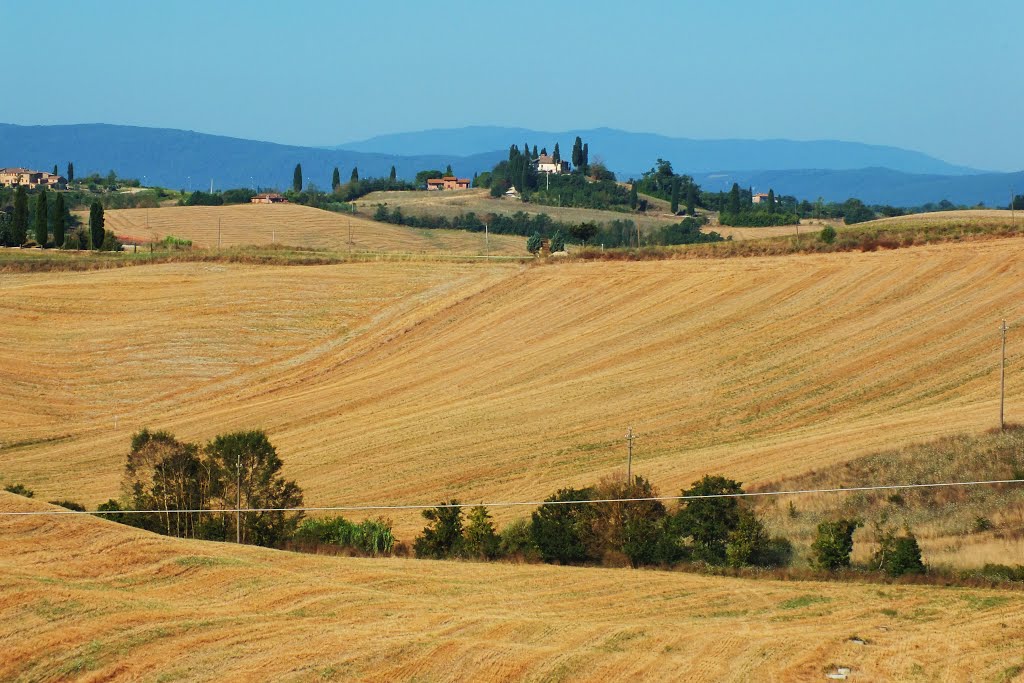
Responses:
[546,164]
[269,198]
[448,182]
[11,177]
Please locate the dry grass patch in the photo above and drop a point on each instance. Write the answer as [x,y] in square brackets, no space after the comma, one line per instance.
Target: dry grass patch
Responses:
[85,598]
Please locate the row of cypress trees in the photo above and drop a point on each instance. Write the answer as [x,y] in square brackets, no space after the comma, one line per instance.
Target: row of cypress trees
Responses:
[47,221]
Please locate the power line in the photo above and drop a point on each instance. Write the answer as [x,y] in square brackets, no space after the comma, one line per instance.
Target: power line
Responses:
[524,503]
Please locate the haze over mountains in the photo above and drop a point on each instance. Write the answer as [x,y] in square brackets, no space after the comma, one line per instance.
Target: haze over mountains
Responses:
[830,169]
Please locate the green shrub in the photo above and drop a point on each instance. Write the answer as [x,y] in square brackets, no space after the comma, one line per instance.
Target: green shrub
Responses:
[834,543]
[20,489]
[709,520]
[442,537]
[561,531]
[479,539]
[901,555]
[371,536]
[827,234]
[517,542]
[533,243]
[69,504]
[748,543]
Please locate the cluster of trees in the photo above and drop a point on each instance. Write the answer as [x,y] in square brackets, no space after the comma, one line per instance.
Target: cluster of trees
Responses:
[45,222]
[179,484]
[519,223]
[738,208]
[618,522]
[663,182]
[355,188]
[520,171]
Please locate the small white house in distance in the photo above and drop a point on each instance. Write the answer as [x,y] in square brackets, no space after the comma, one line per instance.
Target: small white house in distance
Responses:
[546,164]
[512,193]
[759,197]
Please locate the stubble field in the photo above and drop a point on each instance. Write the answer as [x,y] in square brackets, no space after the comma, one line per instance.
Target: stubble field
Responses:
[87,599]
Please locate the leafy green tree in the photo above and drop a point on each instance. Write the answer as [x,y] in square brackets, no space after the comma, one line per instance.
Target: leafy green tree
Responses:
[561,530]
[631,529]
[516,541]
[96,223]
[834,543]
[393,175]
[59,220]
[827,234]
[533,243]
[297,178]
[442,537]
[19,228]
[557,241]
[748,543]
[899,555]
[354,177]
[709,517]
[247,468]
[480,540]
[41,219]
[335,179]
[71,172]
[675,195]
[583,231]
[423,176]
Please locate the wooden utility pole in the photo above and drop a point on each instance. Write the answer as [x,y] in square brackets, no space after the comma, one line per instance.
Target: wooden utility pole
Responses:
[1002,378]
[629,459]
[238,499]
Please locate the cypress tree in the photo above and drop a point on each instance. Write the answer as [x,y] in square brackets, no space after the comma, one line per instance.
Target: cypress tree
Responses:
[535,155]
[297,178]
[632,196]
[585,155]
[544,151]
[71,172]
[58,221]
[96,224]
[675,195]
[394,174]
[577,153]
[448,170]
[771,201]
[20,228]
[55,171]
[355,175]
[691,199]
[556,155]
[734,199]
[335,179]
[41,219]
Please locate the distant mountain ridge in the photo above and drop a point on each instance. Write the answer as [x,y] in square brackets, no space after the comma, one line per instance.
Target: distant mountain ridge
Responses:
[186,159]
[182,159]
[629,154]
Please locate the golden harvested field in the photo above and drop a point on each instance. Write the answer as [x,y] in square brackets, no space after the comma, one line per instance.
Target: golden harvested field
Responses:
[295,225]
[487,382]
[988,217]
[453,202]
[92,600]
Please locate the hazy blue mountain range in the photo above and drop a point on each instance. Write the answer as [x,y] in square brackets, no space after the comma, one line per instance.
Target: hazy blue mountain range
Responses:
[874,185]
[182,159]
[632,153]
[185,159]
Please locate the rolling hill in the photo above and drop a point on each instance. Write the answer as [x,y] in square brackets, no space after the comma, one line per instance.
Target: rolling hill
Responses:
[417,382]
[89,599]
[295,225]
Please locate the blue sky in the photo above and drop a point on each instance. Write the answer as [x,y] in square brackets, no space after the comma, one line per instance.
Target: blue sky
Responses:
[940,77]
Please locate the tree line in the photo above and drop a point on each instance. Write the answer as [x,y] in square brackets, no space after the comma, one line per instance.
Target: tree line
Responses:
[49,223]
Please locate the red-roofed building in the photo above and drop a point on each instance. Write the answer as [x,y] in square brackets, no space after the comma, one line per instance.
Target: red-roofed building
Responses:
[448,182]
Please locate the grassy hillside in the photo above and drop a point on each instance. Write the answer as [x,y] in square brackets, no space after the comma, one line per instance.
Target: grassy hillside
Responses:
[496,383]
[89,599]
[296,225]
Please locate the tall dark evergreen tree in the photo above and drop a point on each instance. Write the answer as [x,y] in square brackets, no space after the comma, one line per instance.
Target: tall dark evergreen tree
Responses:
[41,225]
[448,170]
[297,178]
[59,212]
[335,179]
[96,222]
[535,153]
[544,151]
[355,175]
[55,171]
[734,199]
[556,155]
[691,198]
[675,195]
[585,155]
[771,201]
[577,153]
[19,229]
[394,174]
[71,172]
[632,196]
